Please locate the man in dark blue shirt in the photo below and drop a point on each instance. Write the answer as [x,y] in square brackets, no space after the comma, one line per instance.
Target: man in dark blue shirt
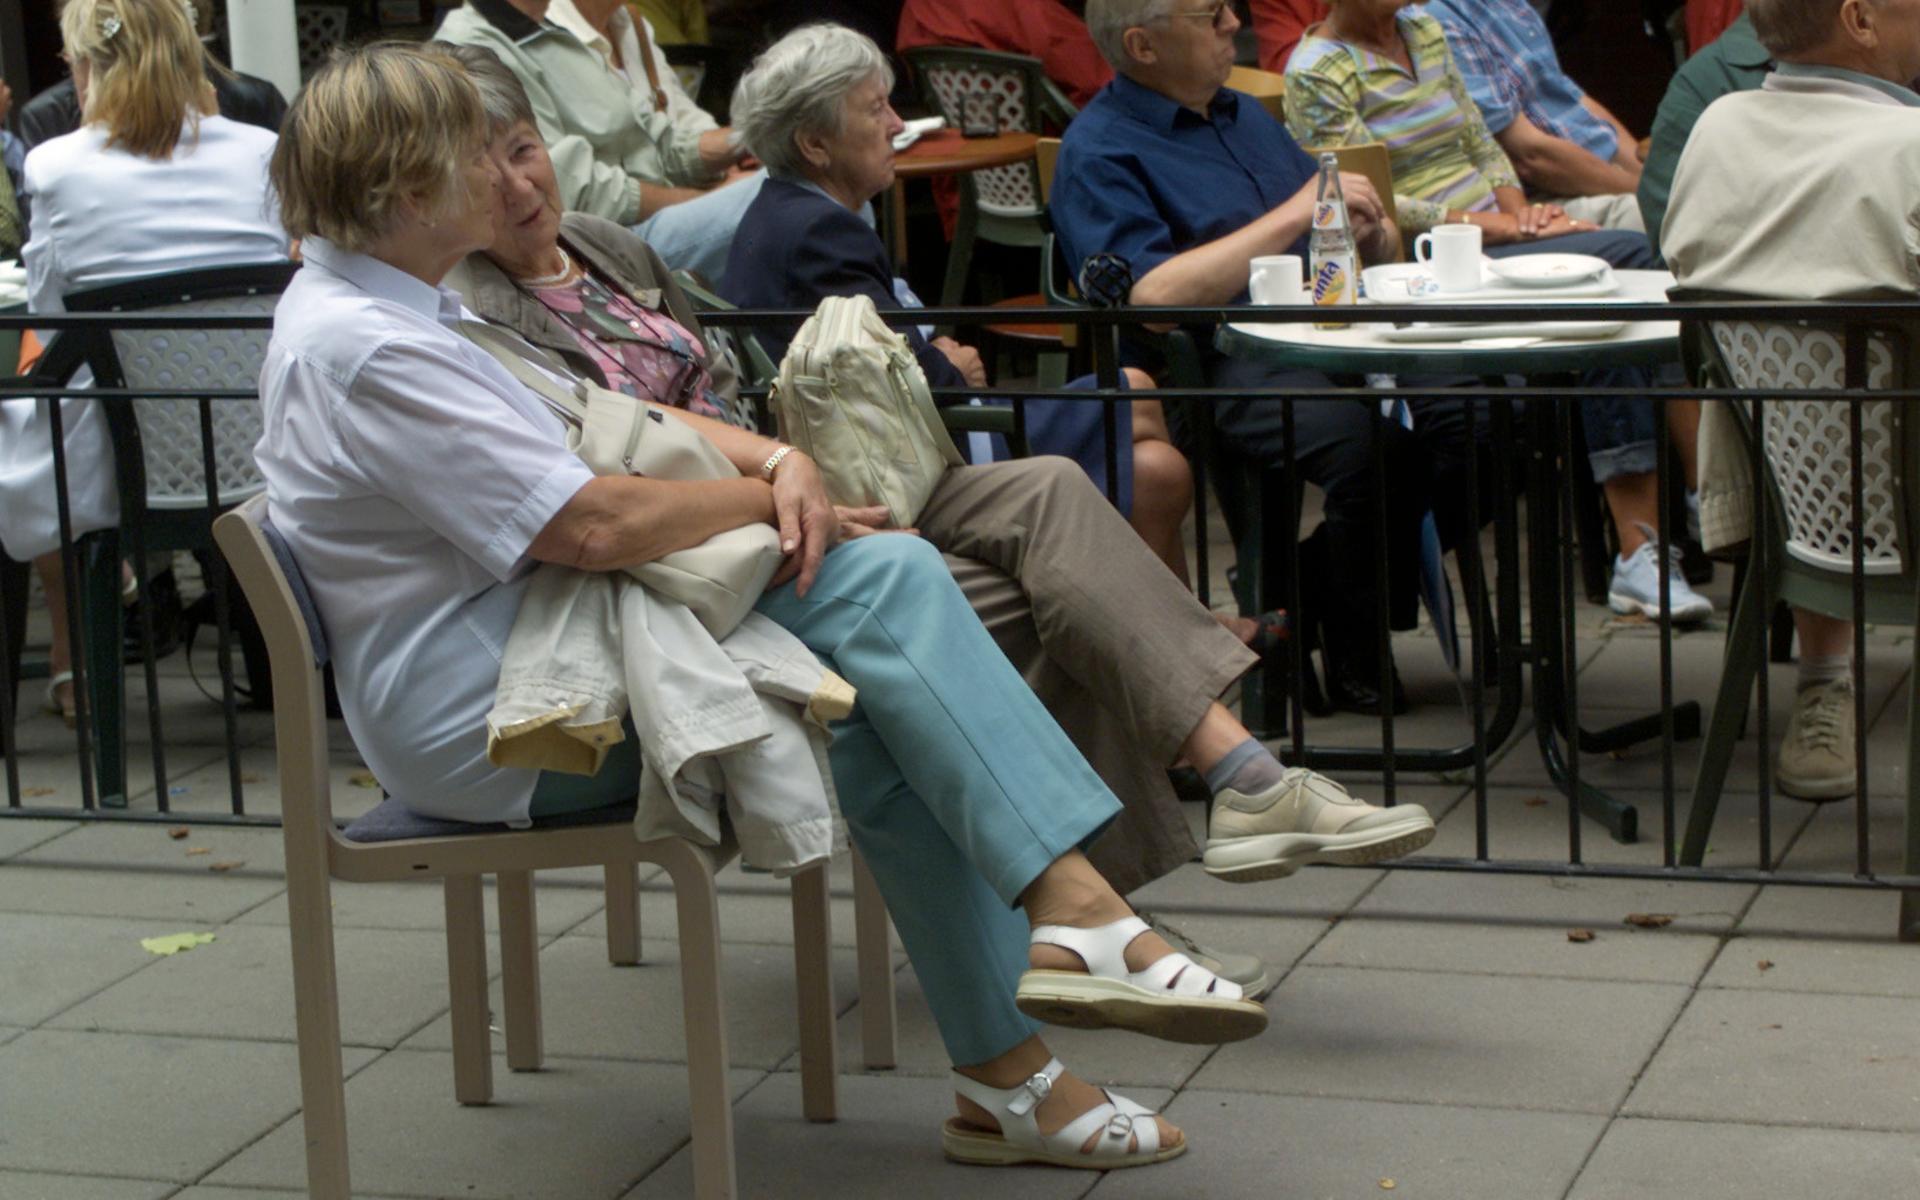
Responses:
[1188,181]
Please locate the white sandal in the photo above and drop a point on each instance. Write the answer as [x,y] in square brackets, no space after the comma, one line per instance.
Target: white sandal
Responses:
[53,706]
[1174,999]
[1130,1136]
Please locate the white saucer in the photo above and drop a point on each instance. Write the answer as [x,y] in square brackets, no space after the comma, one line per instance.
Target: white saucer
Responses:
[1546,270]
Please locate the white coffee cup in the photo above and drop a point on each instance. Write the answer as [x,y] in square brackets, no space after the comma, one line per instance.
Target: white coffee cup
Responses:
[1452,252]
[1277,279]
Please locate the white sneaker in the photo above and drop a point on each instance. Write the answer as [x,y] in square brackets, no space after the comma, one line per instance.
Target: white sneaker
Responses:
[1635,587]
[1816,757]
[1305,818]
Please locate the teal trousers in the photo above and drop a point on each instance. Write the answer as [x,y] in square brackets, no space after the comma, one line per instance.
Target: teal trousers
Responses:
[956,785]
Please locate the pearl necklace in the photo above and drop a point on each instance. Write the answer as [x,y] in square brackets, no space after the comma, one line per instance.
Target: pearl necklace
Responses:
[564,274]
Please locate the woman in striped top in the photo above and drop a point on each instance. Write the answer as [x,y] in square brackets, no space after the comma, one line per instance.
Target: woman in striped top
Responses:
[1373,72]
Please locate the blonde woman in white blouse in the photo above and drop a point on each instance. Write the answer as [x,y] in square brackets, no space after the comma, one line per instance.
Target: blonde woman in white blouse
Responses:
[153,181]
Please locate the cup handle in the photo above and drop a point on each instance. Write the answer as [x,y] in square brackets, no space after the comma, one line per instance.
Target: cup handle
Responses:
[1423,248]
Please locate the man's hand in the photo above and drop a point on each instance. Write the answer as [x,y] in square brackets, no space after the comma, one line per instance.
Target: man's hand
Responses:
[6,101]
[808,524]
[719,150]
[964,358]
[863,522]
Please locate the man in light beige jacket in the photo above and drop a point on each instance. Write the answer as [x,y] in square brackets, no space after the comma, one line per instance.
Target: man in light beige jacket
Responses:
[1808,188]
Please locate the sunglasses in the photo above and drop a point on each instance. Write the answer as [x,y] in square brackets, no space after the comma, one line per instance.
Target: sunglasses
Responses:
[1216,15]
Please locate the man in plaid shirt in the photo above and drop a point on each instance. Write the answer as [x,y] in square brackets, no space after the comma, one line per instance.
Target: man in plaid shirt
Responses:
[1564,144]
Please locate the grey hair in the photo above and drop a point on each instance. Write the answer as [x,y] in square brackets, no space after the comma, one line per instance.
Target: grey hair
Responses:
[1789,28]
[800,85]
[502,94]
[1109,20]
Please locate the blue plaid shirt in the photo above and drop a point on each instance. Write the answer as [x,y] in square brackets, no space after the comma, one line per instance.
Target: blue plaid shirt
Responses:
[1506,56]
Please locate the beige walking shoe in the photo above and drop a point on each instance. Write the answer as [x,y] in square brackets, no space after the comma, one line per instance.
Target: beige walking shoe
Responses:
[1816,757]
[1305,818]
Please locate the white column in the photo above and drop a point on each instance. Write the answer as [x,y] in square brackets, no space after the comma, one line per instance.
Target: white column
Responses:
[264,42]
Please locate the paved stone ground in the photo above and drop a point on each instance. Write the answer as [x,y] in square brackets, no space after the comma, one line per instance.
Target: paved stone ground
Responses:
[1434,1034]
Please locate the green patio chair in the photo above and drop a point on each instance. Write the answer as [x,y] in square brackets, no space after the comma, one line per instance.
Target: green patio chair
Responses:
[1808,559]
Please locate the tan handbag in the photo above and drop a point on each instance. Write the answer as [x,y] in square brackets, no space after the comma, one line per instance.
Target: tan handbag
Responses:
[720,579]
[852,397]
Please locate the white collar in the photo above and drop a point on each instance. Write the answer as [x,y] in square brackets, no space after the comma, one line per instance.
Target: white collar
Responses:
[567,16]
[381,280]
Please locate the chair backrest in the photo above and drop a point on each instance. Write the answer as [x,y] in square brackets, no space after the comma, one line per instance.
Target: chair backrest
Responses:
[1370,159]
[1809,443]
[1022,99]
[753,364]
[1046,157]
[1265,86]
[296,647]
[168,431]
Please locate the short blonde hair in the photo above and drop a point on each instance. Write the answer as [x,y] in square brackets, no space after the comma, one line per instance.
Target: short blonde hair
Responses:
[147,76]
[376,127]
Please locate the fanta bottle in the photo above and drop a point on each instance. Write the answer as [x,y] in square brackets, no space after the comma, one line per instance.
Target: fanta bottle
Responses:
[1335,257]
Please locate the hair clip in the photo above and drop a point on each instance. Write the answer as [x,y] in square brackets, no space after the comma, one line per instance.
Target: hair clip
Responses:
[109,26]
[193,15]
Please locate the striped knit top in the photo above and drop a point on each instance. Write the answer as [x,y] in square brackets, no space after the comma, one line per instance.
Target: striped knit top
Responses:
[1442,155]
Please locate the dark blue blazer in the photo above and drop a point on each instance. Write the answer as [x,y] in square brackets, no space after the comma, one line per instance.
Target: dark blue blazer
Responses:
[795,247]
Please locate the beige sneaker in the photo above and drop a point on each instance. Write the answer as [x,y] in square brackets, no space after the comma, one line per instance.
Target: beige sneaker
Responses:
[1305,818]
[1254,976]
[1816,757]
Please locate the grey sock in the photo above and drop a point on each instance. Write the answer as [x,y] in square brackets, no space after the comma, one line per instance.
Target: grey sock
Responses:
[1247,768]
[1824,668]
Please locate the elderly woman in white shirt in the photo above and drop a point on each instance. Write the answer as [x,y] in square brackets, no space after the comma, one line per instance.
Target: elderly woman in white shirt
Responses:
[154,181]
[417,483]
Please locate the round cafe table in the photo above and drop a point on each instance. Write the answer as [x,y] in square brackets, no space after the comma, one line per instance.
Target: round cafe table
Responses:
[945,152]
[1361,348]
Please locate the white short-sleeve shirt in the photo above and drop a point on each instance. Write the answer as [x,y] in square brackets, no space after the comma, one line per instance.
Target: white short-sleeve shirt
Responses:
[408,472]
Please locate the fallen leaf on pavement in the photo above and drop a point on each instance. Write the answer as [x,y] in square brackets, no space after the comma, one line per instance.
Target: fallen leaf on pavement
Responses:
[1387,1185]
[249,777]
[1650,920]
[1579,935]
[1773,1027]
[36,791]
[177,832]
[1535,801]
[174,943]
[193,850]
[363,779]
[229,865]
[1765,964]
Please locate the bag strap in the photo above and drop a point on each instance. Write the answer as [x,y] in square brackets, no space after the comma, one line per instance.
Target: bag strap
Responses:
[512,351]
[653,72]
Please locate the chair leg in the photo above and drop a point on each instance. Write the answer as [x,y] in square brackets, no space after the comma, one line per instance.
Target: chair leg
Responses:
[813,980]
[103,626]
[698,905]
[316,1018]
[467,990]
[1743,662]
[520,970]
[1910,860]
[960,254]
[623,914]
[878,1025]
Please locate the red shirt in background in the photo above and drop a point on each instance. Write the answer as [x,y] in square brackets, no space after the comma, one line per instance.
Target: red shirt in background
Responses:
[1045,29]
[1277,25]
[1707,20]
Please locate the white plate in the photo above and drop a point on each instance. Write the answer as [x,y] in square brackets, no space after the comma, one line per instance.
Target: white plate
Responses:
[1412,283]
[1421,331]
[1547,270]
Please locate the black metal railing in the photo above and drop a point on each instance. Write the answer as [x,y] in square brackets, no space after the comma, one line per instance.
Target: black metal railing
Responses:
[1532,613]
